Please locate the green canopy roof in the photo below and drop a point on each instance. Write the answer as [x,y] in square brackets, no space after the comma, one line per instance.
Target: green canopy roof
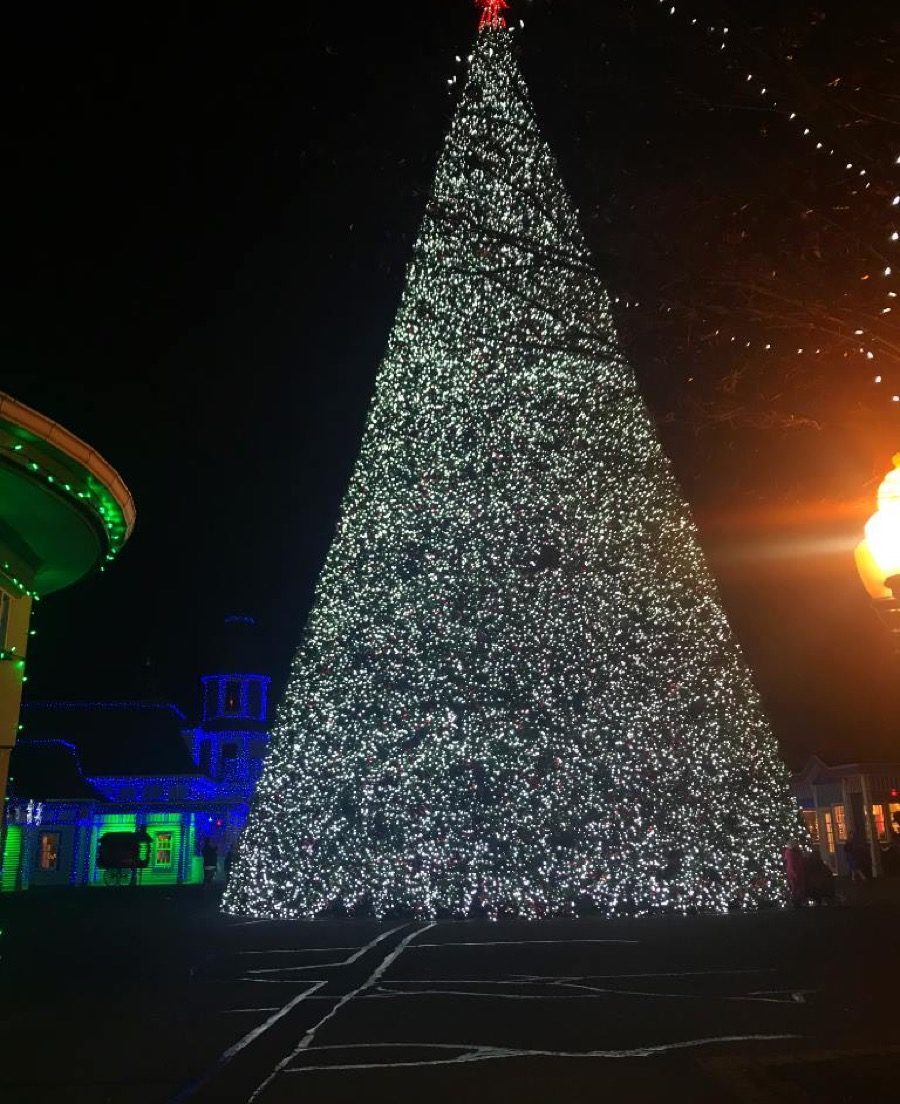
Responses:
[63,509]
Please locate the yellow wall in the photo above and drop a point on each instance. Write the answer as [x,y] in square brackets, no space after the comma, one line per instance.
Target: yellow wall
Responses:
[11,674]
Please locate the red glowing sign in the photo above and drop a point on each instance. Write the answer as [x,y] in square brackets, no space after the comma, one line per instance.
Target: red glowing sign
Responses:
[490,13]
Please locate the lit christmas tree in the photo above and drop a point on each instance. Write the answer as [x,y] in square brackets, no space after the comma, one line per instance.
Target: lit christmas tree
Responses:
[517,693]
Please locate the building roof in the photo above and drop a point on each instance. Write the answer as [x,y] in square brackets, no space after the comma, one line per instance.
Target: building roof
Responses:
[816,770]
[114,738]
[48,770]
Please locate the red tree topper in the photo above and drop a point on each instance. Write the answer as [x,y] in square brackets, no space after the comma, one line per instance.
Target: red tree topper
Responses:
[490,15]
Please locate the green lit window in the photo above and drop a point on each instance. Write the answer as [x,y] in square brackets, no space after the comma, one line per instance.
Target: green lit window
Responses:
[48,851]
[162,854]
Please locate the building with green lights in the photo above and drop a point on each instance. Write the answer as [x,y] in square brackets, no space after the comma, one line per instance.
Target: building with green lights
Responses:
[82,771]
[53,839]
[64,512]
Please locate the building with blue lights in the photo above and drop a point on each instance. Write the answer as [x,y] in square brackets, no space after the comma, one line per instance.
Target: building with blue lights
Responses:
[82,770]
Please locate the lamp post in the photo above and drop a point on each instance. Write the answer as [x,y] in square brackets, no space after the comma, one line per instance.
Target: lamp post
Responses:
[878,556]
[878,563]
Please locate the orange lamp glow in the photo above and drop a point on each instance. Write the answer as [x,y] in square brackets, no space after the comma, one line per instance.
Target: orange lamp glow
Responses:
[878,556]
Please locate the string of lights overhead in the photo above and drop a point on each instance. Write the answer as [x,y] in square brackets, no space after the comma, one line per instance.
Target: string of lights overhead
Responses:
[858,340]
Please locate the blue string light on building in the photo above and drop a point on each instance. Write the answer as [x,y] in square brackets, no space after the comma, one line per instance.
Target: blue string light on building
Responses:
[83,770]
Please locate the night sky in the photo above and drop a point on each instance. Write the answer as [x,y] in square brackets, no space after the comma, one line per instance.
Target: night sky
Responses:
[214,209]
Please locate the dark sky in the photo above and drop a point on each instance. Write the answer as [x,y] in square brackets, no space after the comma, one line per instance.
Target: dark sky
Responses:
[214,208]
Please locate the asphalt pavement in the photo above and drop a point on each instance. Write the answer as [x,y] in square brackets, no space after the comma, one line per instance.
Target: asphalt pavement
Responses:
[151,996]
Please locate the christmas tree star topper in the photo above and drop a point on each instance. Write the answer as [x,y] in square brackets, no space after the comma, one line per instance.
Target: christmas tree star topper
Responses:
[490,14]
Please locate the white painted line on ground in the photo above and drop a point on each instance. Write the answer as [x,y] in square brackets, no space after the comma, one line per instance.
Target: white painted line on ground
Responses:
[388,990]
[605,991]
[399,1046]
[653,974]
[400,1065]
[298,950]
[486,1054]
[308,994]
[265,981]
[777,996]
[529,943]
[223,1060]
[388,994]
[294,969]
[459,981]
[310,1035]
[251,1036]
[360,951]
[535,979]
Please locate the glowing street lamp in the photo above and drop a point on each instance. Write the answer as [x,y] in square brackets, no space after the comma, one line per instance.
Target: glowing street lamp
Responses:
[878,556]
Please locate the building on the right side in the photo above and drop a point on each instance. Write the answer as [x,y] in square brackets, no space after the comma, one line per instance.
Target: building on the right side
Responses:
[850,801]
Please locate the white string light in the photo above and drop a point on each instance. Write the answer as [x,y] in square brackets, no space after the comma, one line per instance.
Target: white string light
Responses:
[807,131]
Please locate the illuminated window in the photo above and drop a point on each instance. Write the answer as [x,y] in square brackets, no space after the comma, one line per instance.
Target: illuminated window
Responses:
[48,854]
[840,822]
[894,810]
[232,696]
[829,831]
[163,853]
[812,825]
[878,821]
